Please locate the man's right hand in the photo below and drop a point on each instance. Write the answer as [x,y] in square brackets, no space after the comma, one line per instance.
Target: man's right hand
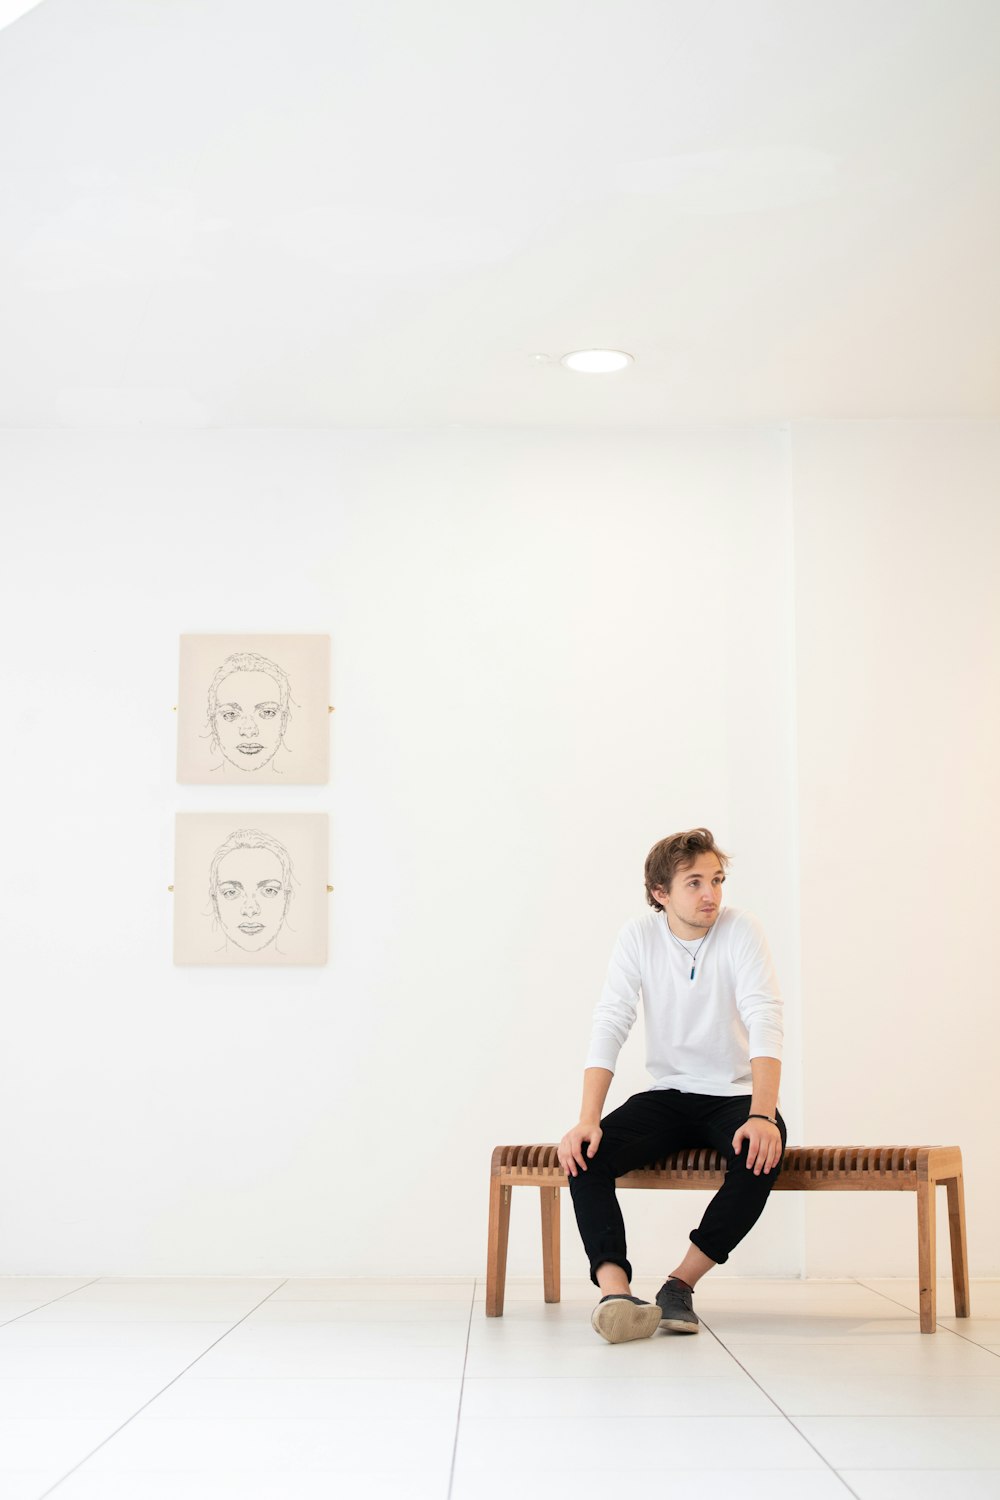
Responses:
[571,1153]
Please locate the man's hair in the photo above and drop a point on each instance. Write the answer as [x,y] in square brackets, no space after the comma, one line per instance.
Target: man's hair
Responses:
[676,853]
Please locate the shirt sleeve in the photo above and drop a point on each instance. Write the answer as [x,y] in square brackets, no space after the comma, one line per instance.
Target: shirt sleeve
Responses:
[758,998]
[616,1010]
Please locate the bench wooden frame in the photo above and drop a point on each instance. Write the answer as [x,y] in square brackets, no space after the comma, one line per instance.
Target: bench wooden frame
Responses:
[912,1169]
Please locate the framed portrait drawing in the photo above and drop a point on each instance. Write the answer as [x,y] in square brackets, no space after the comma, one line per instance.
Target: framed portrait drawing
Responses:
[253,710]
[250,888]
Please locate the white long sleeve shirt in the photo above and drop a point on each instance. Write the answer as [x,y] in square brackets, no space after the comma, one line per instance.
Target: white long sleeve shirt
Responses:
[700,1033]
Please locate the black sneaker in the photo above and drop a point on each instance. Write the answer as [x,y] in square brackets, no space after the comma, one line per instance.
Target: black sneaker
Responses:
[676,1313]
[620,1316]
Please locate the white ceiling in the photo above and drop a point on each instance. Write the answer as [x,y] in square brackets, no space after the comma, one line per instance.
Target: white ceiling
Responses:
[376,212]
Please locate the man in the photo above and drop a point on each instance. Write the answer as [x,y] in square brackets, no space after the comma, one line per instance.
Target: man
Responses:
[713,1049]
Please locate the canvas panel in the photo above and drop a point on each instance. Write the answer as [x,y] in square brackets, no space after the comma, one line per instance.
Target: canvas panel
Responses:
[253,710]
[250,888]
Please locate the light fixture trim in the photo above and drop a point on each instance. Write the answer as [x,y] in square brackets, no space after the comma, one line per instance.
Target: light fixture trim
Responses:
[597,361]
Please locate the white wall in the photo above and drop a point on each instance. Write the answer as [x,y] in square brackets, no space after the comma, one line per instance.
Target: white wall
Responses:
[549,650]
[897,541]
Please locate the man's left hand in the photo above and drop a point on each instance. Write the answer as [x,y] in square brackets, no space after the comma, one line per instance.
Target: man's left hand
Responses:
[765,1144]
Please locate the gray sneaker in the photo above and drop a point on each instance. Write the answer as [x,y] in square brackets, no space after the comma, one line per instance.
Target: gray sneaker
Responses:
[676,1312]
[620,1316]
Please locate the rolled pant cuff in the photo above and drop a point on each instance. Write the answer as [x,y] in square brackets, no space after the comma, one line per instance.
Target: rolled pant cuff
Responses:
[713,1252]
[615,1262]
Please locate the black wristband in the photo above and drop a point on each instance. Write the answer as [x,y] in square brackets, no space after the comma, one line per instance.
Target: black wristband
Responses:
[762,1117]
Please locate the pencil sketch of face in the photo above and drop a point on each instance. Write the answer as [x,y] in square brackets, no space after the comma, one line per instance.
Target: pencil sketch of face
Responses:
[248,710]
[251,885]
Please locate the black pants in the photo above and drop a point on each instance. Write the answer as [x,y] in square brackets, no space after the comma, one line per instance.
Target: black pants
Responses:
[647,1128]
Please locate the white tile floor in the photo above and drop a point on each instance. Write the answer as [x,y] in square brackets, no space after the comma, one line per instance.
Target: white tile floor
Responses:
[295,1390]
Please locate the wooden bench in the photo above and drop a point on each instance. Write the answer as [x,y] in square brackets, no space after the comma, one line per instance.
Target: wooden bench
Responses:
[907,1169]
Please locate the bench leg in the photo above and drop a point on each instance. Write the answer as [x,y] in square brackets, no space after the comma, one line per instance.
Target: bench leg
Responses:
[496,1254]
[927,1247]
[550,1242]
[959,1248]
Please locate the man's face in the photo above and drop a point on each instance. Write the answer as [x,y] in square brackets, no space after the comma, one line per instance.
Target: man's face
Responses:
[695,895]
[250,897]
[248,719]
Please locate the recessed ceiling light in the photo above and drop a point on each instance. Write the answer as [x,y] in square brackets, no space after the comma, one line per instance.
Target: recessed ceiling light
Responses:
[12,10]
[596,361]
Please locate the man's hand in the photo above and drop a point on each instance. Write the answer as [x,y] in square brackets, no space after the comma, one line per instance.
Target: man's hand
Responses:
[765,1144]
[571,1146]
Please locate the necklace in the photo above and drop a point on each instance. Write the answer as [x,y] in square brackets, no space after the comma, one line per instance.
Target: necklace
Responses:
[687,950]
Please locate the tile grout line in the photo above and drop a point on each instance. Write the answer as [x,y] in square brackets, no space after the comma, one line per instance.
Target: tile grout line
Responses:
[938,1327]
[88,1456]
[789,1419]
[461,1390]
[51,1302]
